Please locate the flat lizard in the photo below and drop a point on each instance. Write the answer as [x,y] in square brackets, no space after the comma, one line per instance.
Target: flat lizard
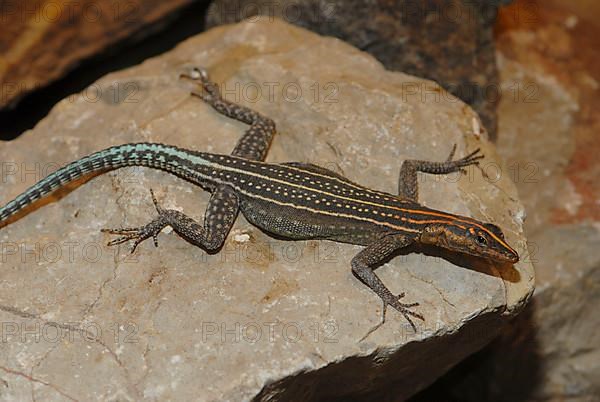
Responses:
[293,200]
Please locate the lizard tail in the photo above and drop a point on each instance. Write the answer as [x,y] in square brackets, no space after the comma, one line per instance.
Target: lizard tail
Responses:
[138,154]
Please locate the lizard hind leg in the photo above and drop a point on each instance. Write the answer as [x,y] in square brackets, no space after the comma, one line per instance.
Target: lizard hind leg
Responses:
[256,140]
[220,215]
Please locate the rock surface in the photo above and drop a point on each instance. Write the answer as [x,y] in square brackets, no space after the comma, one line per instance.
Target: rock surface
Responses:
[41,41]
[263,319]
[450,42]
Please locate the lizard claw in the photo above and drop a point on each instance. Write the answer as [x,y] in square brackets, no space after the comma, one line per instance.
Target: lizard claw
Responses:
[207,90]
[126,235]
[195,74]
[137,234]
[135,244]
[118,240]
[403,308]
[471,159]
[159,209]
[449,159]
[459,165]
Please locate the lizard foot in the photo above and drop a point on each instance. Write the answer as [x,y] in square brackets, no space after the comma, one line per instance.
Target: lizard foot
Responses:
[141,233]
[208,91]
[403,308]
[459,164]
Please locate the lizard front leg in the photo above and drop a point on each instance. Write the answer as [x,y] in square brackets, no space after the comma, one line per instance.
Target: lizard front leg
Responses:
[408,186]
[220,214]
[368,259]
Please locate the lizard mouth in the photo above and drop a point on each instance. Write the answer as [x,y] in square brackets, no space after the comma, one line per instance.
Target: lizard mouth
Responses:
[513,259]
[510,257]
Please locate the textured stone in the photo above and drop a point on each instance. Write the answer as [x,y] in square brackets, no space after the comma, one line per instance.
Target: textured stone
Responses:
[41,40]
[264,318]
[450,42]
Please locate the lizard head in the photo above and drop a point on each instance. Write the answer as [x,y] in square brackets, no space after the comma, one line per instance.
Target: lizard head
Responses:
[471,237]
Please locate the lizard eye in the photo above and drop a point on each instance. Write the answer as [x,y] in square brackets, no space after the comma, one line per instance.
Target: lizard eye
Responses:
[481,240]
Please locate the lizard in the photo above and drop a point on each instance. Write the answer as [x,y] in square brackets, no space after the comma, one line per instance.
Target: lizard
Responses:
[293,200]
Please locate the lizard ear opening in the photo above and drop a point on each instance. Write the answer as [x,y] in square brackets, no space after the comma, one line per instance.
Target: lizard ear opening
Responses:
[432,234]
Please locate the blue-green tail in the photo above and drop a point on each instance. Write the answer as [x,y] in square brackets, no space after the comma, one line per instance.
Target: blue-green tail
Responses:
[139,154]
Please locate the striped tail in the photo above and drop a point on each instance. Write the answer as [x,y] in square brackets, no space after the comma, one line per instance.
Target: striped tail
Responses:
[139,154]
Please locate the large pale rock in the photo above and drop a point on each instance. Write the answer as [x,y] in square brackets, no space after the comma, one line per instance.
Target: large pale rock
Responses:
[264,318]
[450,42]
[41,41]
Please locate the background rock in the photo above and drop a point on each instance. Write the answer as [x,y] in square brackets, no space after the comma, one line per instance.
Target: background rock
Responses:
[42,41]
[450,42]
[264,318]
[548,136]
